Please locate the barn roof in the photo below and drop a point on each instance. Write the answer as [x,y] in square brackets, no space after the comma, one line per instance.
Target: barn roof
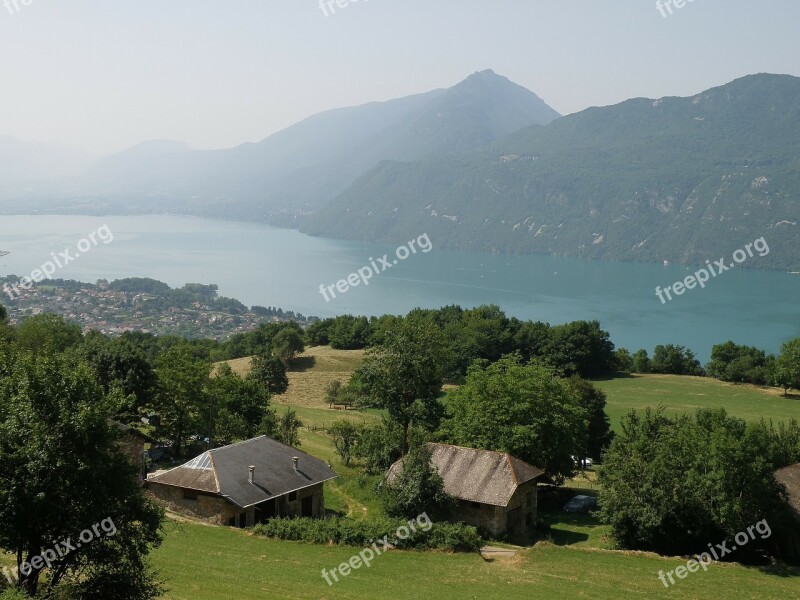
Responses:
[790,478]
[476,475]
[226,471]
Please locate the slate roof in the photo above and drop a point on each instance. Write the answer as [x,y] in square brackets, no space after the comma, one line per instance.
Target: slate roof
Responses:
[476,475]
[790,478]
[225,471]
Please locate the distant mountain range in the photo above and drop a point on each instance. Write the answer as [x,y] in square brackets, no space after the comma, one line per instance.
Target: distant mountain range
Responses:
[678,179]
[483,165]
[299,169]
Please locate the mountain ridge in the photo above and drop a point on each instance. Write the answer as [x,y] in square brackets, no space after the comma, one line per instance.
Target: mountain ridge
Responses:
[677,179]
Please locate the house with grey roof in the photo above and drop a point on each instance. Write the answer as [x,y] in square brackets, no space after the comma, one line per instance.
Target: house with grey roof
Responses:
[494,491]
[245,483]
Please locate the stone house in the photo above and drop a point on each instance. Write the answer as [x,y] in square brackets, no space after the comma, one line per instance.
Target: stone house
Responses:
[246,483]
[495,492]
[132,442]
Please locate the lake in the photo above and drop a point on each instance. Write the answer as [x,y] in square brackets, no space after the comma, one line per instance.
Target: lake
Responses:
[263,265]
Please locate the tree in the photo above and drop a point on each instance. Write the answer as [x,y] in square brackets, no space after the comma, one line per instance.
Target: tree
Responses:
[48,333]
[738,364]
[525,410]
[675,360]
[624,360]
[345,436]
[63,472]
[7,333]
[332,391]
[593,402]
[380,446]
[119,363]
[318,332]
[417,488]
[641,362]
[270,372]
[581,348]
[183,382]
[787,367]
[671,485]
[287,344]
[349,333]
[288,429]
[404,376]
[239,409]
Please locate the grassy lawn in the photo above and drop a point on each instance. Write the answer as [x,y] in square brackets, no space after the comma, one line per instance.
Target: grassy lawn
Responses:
[686,394]
[219,564]
[311,373]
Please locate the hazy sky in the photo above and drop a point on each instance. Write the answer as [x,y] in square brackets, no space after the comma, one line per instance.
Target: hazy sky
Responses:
[104,75]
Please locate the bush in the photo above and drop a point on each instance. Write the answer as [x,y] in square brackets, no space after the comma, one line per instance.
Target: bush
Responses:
[343,531]
[672,485]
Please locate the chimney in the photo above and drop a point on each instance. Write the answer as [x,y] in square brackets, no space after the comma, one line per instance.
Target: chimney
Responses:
[252,470]
[294,462]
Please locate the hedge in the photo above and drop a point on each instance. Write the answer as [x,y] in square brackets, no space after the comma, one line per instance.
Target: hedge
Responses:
[343,531]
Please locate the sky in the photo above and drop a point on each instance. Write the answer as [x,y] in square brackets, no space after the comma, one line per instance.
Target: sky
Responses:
[105,75]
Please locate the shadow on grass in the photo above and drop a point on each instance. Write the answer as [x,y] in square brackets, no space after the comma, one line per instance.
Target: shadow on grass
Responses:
[615,376]
[556,527]
[779,570]
[302,364]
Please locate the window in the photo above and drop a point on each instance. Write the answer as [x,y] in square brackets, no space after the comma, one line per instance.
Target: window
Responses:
[292,496]
[189,494]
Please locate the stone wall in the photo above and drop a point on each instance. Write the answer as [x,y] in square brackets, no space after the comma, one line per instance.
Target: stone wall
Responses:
[219,511]
[208,507]
[494,520]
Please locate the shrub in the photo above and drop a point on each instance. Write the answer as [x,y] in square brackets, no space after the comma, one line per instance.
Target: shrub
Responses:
[343,531]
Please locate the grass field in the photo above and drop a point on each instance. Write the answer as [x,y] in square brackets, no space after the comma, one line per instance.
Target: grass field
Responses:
[219,564]
[687,394]
[311,372]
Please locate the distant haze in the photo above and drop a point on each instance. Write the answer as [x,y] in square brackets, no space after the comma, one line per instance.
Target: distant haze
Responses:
[105,76]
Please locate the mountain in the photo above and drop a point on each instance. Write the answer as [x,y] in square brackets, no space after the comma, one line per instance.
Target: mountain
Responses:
[679,179]
[301,168]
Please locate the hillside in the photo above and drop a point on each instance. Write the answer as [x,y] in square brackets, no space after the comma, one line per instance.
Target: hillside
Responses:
[678,179]
[300,168]
[259,568]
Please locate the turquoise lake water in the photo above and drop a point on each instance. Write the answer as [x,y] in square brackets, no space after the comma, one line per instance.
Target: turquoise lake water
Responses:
[262,265]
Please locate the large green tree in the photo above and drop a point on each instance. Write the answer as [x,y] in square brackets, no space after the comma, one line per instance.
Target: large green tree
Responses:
[404,376]
[598,433]
[63,471]
[239,408]
[673,485]
[787,367]
[416,489]
[48,333]
[183,382]
[287,344]
[270,372]
[526,410]
[123,365]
